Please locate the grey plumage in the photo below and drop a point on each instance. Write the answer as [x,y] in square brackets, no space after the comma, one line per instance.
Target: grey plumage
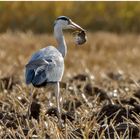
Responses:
[46,65]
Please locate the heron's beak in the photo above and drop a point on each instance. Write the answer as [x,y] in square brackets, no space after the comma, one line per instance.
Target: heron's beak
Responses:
[75,26]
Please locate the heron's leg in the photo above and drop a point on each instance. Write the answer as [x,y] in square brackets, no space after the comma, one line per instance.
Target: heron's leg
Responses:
[30,103]
[57,95]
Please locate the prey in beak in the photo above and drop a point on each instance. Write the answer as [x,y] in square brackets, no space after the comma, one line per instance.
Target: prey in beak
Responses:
[79,34]
[80,37]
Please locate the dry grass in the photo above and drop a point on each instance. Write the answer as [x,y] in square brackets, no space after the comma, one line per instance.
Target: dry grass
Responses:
[100,88]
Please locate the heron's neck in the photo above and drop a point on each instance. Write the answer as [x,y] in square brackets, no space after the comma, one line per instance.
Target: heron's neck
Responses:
[58,33]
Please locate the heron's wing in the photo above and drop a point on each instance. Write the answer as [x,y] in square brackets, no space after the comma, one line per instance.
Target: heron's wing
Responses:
[36,70]
[36,63]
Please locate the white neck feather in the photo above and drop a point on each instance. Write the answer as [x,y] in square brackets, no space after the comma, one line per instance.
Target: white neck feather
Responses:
[58,33]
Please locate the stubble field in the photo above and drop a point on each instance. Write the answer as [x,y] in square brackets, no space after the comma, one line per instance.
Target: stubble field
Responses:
[100,88]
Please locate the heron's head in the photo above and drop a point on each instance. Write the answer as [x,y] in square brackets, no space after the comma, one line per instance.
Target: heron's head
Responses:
[66,23]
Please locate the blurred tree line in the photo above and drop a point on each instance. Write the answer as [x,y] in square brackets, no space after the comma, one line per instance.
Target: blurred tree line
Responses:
[39,16]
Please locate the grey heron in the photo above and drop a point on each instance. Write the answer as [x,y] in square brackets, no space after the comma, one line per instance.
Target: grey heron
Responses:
[47,65]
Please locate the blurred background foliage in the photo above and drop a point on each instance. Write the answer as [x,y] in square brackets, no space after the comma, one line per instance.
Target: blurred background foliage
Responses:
[39,16]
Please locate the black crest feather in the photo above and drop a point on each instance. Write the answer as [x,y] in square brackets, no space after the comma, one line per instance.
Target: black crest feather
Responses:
[63,18]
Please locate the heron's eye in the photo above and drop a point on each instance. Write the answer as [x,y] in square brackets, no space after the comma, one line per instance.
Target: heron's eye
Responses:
[68,21]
